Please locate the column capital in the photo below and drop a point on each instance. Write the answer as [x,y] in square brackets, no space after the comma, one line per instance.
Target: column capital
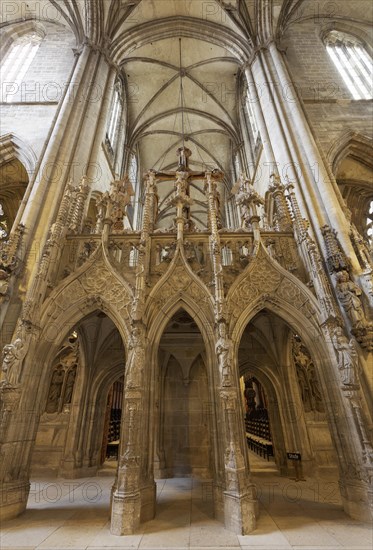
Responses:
[246,64]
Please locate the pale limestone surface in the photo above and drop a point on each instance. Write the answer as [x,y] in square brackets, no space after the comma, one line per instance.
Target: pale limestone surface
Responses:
[73,514]
[269,234]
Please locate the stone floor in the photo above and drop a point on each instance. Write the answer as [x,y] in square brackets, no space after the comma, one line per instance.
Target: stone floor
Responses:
[73,514]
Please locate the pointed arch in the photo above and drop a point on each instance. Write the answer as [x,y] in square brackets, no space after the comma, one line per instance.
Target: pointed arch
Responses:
[93,286]
[17,166]
[275,398]
[264,283]
[202,317]
[12,147]
[179,284]
[307,327]
[351,144]
[189,27]
[18,29]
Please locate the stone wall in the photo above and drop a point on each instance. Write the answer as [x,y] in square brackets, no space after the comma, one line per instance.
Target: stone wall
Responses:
[186,421]
[29,116]
[328,103]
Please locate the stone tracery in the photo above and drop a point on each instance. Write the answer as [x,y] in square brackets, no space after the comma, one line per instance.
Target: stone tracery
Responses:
[224,262]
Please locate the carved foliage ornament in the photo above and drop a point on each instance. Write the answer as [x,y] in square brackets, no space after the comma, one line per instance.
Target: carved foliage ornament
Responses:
[98,281]
[262,278]
[178,282]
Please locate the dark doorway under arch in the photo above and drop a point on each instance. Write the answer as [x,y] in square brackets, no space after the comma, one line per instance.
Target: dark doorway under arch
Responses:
[183,445]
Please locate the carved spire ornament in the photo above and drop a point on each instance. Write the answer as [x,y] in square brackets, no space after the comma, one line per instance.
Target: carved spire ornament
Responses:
[277,190]
[248,201]
[82,192]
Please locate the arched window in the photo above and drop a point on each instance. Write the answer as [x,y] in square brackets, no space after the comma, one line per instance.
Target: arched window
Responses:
[237,166]
[114,118]
[133,169]
[251,117]
[16,63]
[353,63]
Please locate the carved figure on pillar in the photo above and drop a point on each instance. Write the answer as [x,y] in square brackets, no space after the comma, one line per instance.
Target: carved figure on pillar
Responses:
[69,387]
[55,390]
[361,248]
[4,284]
[249,395]
[12,356]
[223,350]
[348,292]
[136,363]
[119,197]
[302,361]
[348,362]
[349,295]
[152,196]
[101,203]
[307,378]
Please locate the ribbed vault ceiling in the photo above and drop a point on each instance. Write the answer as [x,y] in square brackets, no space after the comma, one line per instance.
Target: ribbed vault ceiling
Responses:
[142,36]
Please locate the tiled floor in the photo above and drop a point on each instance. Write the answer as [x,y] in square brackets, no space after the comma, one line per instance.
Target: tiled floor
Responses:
[73,514]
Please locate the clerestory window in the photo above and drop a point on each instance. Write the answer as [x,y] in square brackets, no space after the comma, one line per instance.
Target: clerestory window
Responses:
[115,114]
[237,166]
[133,169]
[353,63]
[16,64]
[251,117]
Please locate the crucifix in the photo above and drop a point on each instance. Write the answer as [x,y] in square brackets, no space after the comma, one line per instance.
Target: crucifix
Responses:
[181,197]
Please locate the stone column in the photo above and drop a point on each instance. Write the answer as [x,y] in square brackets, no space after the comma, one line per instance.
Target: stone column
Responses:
[254,95]
[63,152]
[133,499]
[240,506]
[348,427]
[134,491]
[14,488]
[323,183]
[239,503]
[354,447]
[293,146]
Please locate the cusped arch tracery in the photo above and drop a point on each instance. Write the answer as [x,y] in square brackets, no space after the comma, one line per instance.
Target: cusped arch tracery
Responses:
[179,284]
[93,286]
[265,283]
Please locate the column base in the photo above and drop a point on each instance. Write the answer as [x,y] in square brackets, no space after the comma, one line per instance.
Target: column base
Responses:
[218,497]
[148,500]
[125,513]
[13,499]
[357,500]
[240,513]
